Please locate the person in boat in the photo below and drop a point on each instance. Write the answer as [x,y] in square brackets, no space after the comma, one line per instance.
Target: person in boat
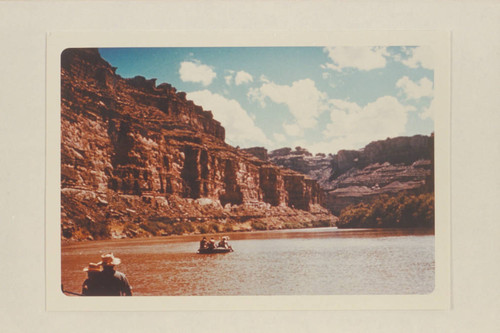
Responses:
[223,243]
[90,286]
[111,281]
[203,243]
[211,244]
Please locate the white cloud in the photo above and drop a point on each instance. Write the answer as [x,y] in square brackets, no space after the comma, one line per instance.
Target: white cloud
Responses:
[429,111]
[239,78]
[293,129]
[228,79]
[240,127]
[419,57]
[242,77]
[415,90]
[353,126]
[278,137]
[255,95]
[264,79]
[196,72]
[360,57]
[304,101]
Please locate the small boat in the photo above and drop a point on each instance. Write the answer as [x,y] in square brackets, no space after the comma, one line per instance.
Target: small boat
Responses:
[216,250]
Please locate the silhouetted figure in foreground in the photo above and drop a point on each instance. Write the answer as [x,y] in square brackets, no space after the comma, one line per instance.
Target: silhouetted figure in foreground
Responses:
[90,286]
[112,282]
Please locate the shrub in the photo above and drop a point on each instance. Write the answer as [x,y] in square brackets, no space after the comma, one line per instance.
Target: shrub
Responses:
[178,229]
[401,211]
[258,225]
[204,229]
[97,229]
[321,223]
[149,226]
[215,227]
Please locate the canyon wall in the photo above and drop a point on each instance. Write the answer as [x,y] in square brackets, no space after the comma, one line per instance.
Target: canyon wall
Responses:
[352,176]
[133,153]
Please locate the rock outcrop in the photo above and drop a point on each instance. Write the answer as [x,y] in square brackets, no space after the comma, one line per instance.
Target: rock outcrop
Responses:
[396,151]
[317,167]
[382,167]
[353,176]
[133,152]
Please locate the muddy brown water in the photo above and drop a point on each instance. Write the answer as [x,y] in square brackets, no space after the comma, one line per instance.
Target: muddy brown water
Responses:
[320,261]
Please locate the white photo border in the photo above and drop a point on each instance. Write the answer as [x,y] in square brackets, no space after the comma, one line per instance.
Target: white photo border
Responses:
[439,41]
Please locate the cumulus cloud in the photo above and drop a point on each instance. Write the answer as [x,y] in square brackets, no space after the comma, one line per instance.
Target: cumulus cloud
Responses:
[264,79]
[415,90]
[240,127]
[229,78]
[238,78]
[428,112]
[419,57]
[293,129]
[242,77]
[196,72]
[278,137]
[353,126]
[304,101]
[255,95]
[359,57]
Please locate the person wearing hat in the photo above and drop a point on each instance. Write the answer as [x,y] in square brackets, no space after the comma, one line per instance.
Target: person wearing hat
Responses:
[112,282]
[90,286]
[224,244]
[211,244]
[203,243]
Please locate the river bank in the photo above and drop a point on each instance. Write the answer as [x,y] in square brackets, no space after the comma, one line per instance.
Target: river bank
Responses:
[88,215]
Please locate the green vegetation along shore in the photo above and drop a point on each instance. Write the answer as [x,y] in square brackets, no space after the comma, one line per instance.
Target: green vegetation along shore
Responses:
[401,211]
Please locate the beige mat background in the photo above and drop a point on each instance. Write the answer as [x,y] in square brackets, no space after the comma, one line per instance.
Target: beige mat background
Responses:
[475,28]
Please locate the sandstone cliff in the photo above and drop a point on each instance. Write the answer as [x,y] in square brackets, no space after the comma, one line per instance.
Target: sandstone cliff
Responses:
[139,159]
[317,167]
[353,176]
[383,167]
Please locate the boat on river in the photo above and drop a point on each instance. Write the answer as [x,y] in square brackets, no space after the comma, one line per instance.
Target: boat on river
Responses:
[216,250]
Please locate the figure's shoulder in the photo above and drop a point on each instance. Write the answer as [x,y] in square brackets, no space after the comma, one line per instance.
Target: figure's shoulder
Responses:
[120,275]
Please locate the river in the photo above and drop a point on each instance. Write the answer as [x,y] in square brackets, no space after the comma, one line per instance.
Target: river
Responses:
[319,261]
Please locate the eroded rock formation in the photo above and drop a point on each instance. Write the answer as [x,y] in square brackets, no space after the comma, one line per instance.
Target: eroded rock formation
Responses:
[317,167]
[353,176]
[133,152]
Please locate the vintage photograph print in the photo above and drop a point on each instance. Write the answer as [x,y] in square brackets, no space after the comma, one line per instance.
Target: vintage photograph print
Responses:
[247,171]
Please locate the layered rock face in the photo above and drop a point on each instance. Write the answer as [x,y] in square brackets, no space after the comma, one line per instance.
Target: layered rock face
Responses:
[400,150]
[317,167]
[132,152]
[353,176]
[382,167]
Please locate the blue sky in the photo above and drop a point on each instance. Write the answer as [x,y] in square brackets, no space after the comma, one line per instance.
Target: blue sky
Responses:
[320,98]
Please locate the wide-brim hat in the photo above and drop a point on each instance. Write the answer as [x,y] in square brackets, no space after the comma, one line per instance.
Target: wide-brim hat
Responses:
[109,260]
[92,268]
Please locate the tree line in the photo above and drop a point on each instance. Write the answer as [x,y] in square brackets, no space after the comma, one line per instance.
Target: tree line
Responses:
[401,211]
